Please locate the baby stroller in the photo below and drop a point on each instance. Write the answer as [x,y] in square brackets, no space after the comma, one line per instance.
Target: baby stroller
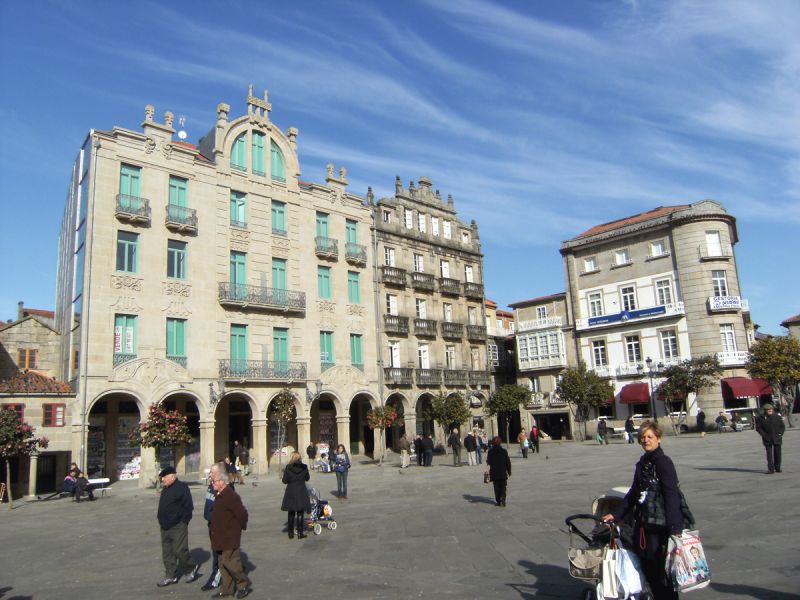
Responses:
[585,553]
[321,512]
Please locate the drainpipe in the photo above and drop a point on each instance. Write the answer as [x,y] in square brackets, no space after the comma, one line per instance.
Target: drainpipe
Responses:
[376,298]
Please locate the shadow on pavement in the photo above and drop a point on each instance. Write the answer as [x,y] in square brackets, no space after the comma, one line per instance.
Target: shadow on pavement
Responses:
[748,590]
[733,469]
[478,499]
[200,556]
[5,590]
[551,582]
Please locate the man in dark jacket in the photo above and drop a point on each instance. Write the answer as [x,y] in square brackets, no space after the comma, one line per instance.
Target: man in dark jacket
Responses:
[418,449]
[770,427]
[427,450]
[499,469]
[454,441]
[471,446]
[228,520]
[534,437]
[175,508]
[602,432]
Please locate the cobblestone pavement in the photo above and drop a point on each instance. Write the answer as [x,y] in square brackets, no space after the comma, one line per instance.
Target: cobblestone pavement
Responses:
[421,532]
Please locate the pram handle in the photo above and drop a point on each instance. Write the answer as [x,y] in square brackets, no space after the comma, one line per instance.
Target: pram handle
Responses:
[581,516]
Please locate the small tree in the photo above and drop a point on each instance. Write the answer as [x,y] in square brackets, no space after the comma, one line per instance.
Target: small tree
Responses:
[16,439]
[381,418]
[582,389]
[162,429]
[505,401]
[777,360]
[688,377]
[282,409]
[449,410]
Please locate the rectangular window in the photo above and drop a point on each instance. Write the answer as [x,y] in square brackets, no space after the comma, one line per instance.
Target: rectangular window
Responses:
[435,226]
[176,259]
[669,344]
[351,231]
[713,243]
[388,256]
[257,155]
[178,187]
[421,307]
[727,337]
[622,257]
[419,263]
[450,357]
[541,312]
[326,348]
[628,295]
[391,304]
[353,287]
[17,408]
[469,274]
[238,274]
[409,218]
[599,357]
[663,292]
[322,224]
[465,237]
[633,349]
[394,354]
[238,209]
[356,355]
[278,217]
[658,248]
[127,245]
[590,264]
[494,354]
[277,162]
[472,315]
[446,226]
[238,345]
[387,216]
[176,337]
[280,346]
[130,185]
[422,223]
[445,268]
[422,355]
[238,154]
[54,415]
[125,334]
[324,282]
[447,310]
[595,300]
[28,358]
[719,280]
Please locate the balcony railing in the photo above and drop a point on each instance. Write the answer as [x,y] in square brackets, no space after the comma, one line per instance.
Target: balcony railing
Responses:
[540,323]
[536,400]
[180,360]
[556,401]
[473,290]
[724,252]
[423,281]
[355,253]
[132,208]
[181,218]
[727,303]
[480,377]
[237,294]
[121,358]
[544,362]
[455,377]
[398,376]
[425,327]
[452,330]
[476,332]
[327,247]
[393,275]
[449,286]
[395,324]
[429,376]
[630,369]
[604,371]
[729,359]
[626,316]
[261,370]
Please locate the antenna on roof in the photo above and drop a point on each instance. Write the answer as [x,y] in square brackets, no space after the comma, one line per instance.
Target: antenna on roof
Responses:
[181,124]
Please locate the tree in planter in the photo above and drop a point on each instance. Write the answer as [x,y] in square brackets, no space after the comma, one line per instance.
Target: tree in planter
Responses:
[282,409]
[162,429]
[16,439]
[381,418]
[506,400]
[582,389]
[777,360]
[688,377]
[448,410]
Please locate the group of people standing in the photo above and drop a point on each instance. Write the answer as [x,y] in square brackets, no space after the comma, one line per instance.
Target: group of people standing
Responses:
[529,442]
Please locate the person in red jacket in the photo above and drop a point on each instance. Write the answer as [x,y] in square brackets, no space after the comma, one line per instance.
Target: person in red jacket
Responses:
[228,520]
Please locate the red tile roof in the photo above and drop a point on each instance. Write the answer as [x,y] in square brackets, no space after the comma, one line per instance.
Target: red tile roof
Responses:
[790,320]
[39,312]
[645,216]
[539,299]
[187,144]
[33,382]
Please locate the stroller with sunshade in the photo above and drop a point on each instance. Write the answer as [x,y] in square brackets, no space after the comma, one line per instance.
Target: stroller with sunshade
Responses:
[321,512]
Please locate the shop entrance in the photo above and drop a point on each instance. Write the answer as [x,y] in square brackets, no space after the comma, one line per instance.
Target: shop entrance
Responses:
[233,423]
[555,425]
[362,441]
[109,451]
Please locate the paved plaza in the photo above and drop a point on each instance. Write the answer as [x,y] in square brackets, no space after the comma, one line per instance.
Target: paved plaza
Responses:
[420,532]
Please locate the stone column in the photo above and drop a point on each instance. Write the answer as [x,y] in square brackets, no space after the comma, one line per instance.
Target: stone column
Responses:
[303,435]
[148,468]
[411,426]
[259,444]
[343,432]
[207,457]
[33,469]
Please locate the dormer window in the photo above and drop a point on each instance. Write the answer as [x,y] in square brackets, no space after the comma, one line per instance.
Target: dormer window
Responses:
[238,159]
[658,248]
[590,264]
[622,257]
[278,164]
[465,237]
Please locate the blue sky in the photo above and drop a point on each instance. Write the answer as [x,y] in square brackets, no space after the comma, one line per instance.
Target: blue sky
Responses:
[540,118]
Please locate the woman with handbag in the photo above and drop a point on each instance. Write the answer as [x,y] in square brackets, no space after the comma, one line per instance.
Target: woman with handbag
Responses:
[655,501]
[499,469]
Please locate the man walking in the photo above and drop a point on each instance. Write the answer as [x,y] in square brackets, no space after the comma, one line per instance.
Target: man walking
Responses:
[427,450]
[418,449]
[454,441]
[535,438]
[770,427]
[630,429]
[175,508]
[228,520]
[602,432]
[471,446]
[405,451]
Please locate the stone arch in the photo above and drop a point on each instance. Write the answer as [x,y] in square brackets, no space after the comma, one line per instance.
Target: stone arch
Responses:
[280,443]
[425,426]
[362,438]
[398,428]
[187,458]
[233,422]
[323,412]
[111,417]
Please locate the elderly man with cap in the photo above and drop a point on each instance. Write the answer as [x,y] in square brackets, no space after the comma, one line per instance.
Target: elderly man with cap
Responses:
[770,427]
[175,508]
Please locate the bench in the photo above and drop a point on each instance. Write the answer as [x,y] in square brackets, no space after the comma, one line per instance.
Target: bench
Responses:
[100,485]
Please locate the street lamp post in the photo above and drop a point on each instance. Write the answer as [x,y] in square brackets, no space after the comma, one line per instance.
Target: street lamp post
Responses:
[649,362]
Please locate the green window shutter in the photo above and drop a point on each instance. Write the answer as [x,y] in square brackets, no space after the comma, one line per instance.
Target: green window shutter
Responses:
[326,347]
[257,152]
[322,225]
[324,282]
[125,334]
[238,345]
[127,246]
[238,154]
[129,180]
[176,337]
[238,275]
[176,259]
[279,273]
[278,217]
[238,209]
[177,191]
[277,165]
[356,357]
[280,345]
[353,288]
[351,228]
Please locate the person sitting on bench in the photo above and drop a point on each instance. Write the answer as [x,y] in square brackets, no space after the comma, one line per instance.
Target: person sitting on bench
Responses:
[79,484]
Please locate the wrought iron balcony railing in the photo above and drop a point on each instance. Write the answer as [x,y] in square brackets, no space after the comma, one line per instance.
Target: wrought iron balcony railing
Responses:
[425,327]
[181,218]
[393,275]
[355,253]
[398,376]
[729,359]
[429,376]
[423,281]
[238,294]
[473,290]
[476,332]
[133,208]
[261,370]
[452,330]
[326,246]
[455,377]
[395,324]
[540,323]
[449,286]
[180,360]
[120,358]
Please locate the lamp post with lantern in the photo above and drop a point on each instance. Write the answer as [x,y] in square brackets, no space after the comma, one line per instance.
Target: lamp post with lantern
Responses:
[650,372]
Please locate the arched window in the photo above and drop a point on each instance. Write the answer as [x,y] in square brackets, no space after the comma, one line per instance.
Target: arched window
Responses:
[278,164]
[257,152]
[238,154]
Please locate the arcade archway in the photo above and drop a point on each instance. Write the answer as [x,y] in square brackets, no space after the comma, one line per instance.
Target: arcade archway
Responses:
[233,422]
[109,452]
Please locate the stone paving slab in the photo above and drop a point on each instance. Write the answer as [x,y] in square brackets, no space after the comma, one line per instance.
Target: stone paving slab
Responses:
[423,532]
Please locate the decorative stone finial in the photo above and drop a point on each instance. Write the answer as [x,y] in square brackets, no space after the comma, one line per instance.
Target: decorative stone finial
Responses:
[250,90]
[168,118]
[291,133]
[329,167]
[149,111]
[398,186]
[222,111]
[342,173]
[425,182]
[450,199]
[370,196]
[258,106]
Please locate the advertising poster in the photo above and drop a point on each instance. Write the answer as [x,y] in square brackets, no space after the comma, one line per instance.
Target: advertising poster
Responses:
[128,457]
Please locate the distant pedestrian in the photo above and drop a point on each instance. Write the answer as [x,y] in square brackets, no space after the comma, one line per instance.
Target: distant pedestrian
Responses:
[230,469]
[311,452]
[471,446]
[480,438]
[721,421]
[770,427]
[736,422]
[418,449]
[244,461]
[454,441]
[499,469]
[534,438]
[341,465]
[295,497]
[701,422]
[405,451]
[524,443]
[630,430]
[427,449]
[175,508]
[602,432]
[228,520]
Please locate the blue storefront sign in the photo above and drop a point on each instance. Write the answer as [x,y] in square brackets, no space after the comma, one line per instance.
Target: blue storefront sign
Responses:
[626,315]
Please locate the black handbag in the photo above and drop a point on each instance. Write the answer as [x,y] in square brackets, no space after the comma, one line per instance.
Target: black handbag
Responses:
[487,478]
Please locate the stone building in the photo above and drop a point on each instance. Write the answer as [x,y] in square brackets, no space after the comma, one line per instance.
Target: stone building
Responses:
[792,326]
[430,294]
[654,289]
[31,341]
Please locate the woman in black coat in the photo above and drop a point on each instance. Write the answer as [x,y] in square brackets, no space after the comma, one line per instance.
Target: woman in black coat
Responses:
[654,499]
[295,498]
[499,469]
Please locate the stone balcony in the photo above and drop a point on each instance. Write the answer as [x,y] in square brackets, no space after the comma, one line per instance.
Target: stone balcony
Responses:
[395,324]
[398,376]
[132,209]
[452,330]
[355,254]
[427,377]
[473,290]
[425,327]
[455,377]
[476,332]
[722,252]
[449,286]
[423,281]
[480,378]
[181,219]
[326,247]
[393,276]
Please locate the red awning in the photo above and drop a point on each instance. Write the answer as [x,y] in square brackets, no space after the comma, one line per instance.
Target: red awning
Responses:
[744,387]
[635,393]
